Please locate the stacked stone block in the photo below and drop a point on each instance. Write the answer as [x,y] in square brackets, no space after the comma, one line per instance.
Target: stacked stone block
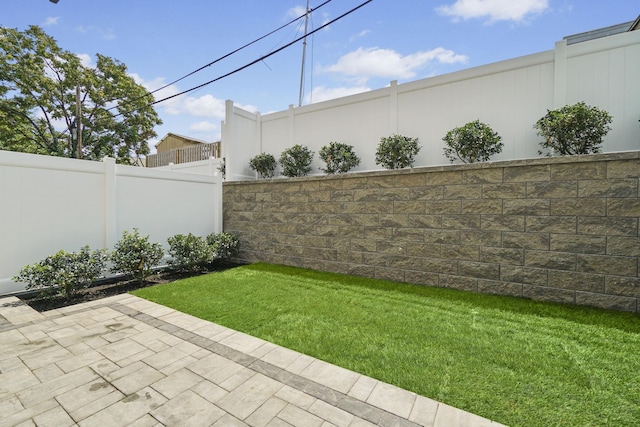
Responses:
[561,229]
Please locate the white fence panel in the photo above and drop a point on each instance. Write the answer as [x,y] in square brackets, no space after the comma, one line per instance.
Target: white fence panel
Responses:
[50,203]
[510,96]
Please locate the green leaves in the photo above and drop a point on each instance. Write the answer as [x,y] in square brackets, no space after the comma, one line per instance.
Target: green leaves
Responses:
[339,157]
[194,253]
[573,129]
[296,161]
[397,152]
[136,255]
[473,142]
[38,82]
[264,164]
[64,272]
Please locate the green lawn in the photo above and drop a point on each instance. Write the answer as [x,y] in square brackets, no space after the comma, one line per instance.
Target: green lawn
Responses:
[515,361]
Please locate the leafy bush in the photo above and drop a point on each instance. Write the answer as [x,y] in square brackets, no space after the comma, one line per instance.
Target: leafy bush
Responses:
[296,161]
[397,152]
[264,164]
[573,129]
[135,255]
[340,158]
[189,252]
[65,272]
[222,167]
[224,245]
[473,142]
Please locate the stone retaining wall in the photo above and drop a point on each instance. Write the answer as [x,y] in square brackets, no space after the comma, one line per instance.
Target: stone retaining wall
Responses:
[561,229]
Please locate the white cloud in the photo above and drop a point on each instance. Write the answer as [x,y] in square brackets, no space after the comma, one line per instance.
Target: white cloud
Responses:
[494,10]
[322,93]
[86,60]
[359,35]
[363,64]
[51,20]
[296,11]
[107,34]
[204,127]
[204,106]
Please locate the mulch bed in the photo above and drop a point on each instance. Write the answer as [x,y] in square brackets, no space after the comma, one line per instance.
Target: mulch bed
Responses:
[110,287]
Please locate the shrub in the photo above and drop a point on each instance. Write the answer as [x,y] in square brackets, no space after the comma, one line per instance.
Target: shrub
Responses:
[397,152]
[189,252]
[135,255]
[264,164]
[296,161]
[473,142]
[573,129]
[222,168]
[340,158]
[224,245]
[65,272]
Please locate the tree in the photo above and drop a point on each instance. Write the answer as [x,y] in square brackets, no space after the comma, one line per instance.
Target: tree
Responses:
[38,83]
[573,129]
[473,142]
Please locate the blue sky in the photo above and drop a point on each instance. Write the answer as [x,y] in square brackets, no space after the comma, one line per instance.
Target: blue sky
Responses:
[405,40]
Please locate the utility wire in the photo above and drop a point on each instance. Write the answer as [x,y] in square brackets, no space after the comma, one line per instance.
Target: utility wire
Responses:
[262,58]
[220,58]
[238,49]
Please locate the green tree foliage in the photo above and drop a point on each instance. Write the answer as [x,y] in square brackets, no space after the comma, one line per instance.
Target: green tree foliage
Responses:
[473,142]
[135,255]
[339,157]
[38,82]
[573,129]
[264,164]
[397,152]
[64,272]
[296,161]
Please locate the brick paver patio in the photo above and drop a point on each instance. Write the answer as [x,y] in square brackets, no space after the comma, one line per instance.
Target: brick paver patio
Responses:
[124,361]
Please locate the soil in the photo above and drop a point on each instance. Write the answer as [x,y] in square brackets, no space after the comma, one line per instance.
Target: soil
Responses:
[110,287]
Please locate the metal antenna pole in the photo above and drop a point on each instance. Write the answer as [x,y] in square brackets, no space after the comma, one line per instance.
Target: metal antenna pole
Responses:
[304,52]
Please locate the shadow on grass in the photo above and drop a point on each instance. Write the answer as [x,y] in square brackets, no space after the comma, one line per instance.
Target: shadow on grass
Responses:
[624,321]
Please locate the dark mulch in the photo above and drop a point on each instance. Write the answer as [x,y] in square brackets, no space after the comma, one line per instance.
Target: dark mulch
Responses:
[110,287]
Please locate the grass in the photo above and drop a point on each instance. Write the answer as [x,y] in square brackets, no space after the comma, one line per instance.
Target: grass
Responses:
[515,361]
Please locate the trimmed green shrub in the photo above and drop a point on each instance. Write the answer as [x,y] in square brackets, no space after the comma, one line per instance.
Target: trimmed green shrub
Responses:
[473,142]
[64,273]
[573,129]
[264,164]
[189,253]
[223,245]
[296,161]
[339,157]
[397,152]
[135,255]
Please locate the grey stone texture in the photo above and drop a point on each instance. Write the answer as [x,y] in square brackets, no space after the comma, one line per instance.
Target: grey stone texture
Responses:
[563,229]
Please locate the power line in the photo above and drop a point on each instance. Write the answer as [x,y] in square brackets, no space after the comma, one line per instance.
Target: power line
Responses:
[239,49]
[218,59]
[262,58]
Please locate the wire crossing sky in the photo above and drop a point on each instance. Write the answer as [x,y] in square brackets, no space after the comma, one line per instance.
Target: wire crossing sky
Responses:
[162,42]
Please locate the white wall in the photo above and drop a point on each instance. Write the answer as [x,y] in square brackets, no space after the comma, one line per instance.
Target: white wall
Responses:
[51,203]
[510,96]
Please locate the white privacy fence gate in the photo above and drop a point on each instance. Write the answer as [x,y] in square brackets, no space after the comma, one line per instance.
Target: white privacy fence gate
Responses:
[50,203]
[510,96]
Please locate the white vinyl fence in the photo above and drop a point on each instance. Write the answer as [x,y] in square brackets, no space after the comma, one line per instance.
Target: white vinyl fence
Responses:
[510,96]
[50,203]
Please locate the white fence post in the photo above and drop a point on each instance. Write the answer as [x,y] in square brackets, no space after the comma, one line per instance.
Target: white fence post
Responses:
[110,203]
[560,75]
